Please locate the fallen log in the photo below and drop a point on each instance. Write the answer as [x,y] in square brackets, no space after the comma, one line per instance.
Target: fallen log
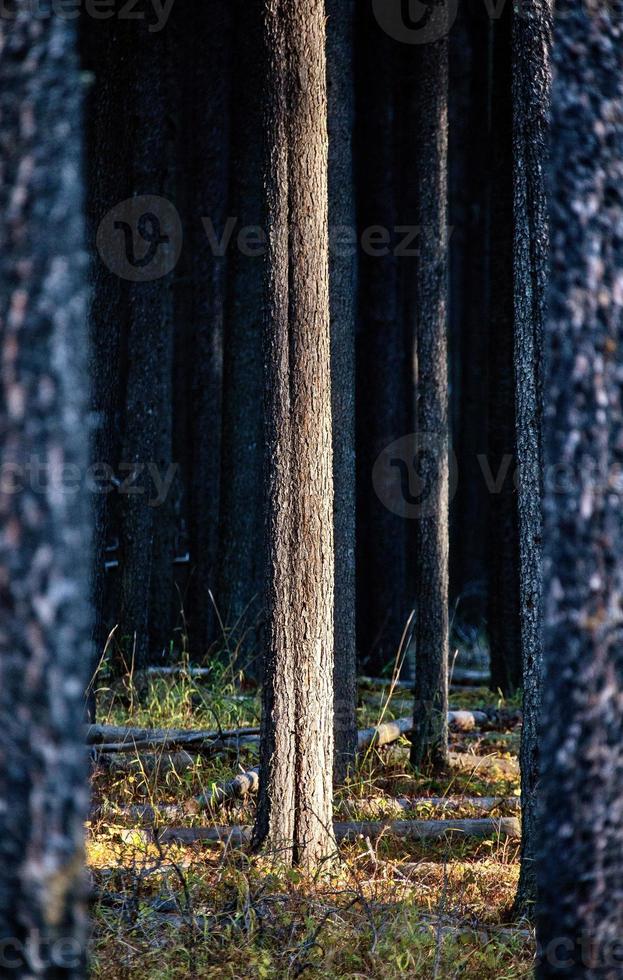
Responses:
[416,830]
[147,762]
[247,783]
[438,804]
[462,676]
[112,738]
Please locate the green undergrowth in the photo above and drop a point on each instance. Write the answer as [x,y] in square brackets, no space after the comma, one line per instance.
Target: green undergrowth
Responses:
[387,908]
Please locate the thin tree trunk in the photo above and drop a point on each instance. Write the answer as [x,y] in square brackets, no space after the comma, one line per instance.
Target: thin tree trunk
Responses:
[106,139]
[45,653]
[469,309]
[430,113]
[504,626]
[242,561]
[531,85]
[147,356]
[383,417]
[343,298]
[580,868]
[295,806]
[208,81]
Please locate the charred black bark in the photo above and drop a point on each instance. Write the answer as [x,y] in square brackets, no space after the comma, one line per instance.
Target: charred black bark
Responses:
[343,303]
[383,369]
[531,87]
[429,116]
[469,193]
[45,645]
[242,561]
[580,868]
[208,55]
[504,628]
[147,351]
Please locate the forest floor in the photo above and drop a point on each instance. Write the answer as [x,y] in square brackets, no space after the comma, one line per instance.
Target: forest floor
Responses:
[390,907]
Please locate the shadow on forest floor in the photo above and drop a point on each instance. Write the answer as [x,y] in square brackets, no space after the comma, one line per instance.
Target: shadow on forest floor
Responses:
[389,908]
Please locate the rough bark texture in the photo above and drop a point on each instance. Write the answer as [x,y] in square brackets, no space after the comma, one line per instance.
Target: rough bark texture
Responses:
[531,85]
[242,561]
[108,182]
[45,649]
[430,96]
[343,298]
[469,194]
[504,628]
[208,85]
[580,914]
[147,352]
[295,806]
[383,416]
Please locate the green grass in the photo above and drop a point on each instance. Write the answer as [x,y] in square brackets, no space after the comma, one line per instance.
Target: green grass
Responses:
[386,910]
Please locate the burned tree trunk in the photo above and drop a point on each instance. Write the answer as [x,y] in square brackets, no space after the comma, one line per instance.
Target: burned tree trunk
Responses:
[242,561]
[580,868]
[504,628]
[531,85]
[207,82]
[383,381]
[45,545]
[343,298]
[295,805]
[429,749]
[469,309]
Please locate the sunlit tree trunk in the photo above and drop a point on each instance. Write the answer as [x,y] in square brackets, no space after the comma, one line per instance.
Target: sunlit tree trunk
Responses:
[295,806]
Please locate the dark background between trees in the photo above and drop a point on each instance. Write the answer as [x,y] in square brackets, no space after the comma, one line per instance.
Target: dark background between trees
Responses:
[352,420]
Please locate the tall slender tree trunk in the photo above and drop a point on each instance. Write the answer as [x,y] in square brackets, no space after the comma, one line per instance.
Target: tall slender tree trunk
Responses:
[504,626]
[45,646]
[208,84]
[148,354]
[469,309]
[343,298]
[295,805]
[106,139]
[383,371]
[429,747]
[531,87]
[242,560]
[580,868]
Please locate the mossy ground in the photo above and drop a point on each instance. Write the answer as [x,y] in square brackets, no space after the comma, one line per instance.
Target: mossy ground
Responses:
[388,909]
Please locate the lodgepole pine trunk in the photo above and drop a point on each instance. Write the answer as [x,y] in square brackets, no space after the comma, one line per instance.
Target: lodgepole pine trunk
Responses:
[580,866]
[343,298]
[295,806]
[469,308]
[383,600]
[106,140]
[429,748]
[531,87]
[208,40]
[147,358]
[45,646]
[504,624]
[242,560]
